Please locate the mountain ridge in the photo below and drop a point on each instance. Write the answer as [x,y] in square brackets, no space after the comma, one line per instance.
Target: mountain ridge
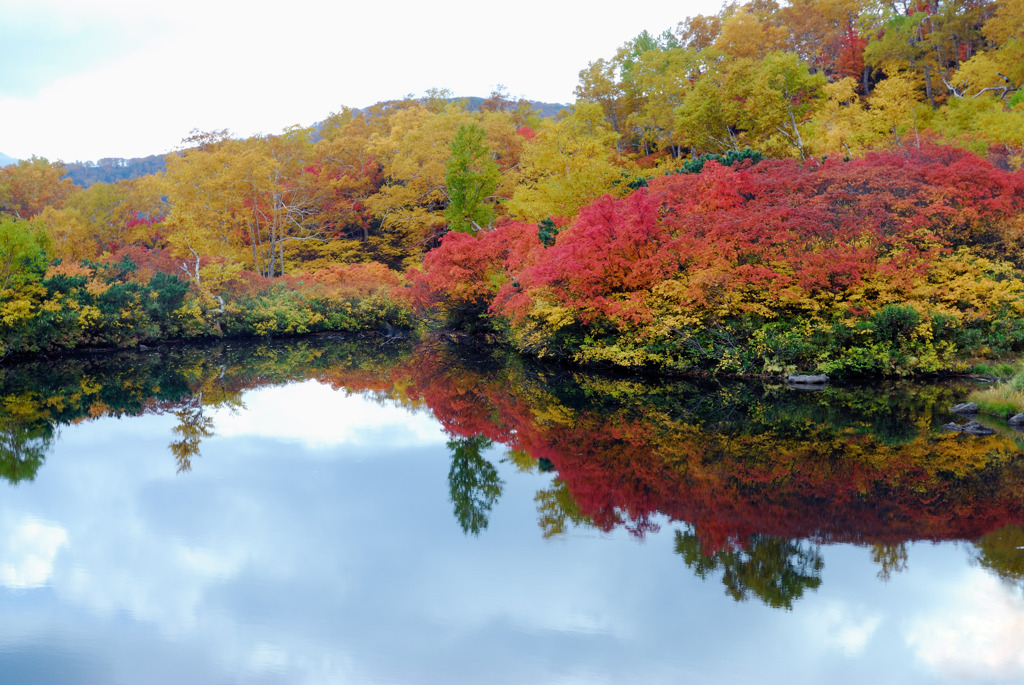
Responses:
[114,169]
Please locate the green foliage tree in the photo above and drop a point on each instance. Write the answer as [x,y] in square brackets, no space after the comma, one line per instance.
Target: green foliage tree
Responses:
[658,81]
[414,156]
[471,177]
[766,104]
[23,256]
[696,164]
[547,231]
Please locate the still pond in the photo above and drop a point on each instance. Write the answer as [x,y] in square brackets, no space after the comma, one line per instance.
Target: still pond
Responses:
[332,511]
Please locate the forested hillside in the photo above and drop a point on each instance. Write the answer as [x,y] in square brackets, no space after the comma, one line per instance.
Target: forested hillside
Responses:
[823,184]
[113,169]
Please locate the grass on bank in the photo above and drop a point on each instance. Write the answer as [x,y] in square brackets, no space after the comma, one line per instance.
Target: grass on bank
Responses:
[1005,398]
[997,370]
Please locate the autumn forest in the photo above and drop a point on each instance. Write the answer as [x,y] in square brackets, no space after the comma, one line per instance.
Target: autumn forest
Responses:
[825,185]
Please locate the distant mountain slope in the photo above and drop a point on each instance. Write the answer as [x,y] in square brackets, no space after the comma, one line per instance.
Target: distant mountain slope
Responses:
[546,109]
[113,169]
[549,109]
[470,103]
[5,160]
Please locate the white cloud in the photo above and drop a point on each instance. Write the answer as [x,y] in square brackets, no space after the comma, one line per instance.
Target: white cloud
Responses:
[838,626]
[151,580]
[28,553]
[317,416]
[266,657]
[978,637]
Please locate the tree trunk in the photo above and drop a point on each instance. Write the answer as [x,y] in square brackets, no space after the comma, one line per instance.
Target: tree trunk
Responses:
[928,87]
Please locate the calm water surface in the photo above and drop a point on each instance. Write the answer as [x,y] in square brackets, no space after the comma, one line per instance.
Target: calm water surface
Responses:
[317,513]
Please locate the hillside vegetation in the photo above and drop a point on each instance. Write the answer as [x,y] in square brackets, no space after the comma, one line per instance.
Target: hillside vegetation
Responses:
[824,185]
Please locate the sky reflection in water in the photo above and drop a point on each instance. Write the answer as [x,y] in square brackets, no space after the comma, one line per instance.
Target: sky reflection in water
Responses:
[314,542]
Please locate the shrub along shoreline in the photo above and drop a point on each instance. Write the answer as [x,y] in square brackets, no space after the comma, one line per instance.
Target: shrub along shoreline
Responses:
[905,262]
[134,299]
[902,263]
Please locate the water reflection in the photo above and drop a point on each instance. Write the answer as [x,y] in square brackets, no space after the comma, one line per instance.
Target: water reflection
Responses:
[1002,551]
[529,537]
[891,559]
[193,426]
[473,483]
[193,415]
[761,475]
[23,447]
[557,511]
[776,571]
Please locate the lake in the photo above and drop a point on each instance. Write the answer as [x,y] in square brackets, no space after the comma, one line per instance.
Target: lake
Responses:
[355,511]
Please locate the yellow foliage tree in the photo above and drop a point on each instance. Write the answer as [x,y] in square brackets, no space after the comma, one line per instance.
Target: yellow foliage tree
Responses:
[892,108]
[204,189]
[31,185]
[241,200]
[839,126]
[567,165]
[599,83]
[660,79]
[707,120]
[413,153]
[751,31]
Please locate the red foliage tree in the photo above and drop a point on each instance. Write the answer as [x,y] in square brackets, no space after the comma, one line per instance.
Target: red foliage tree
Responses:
[850,60]
[781,228]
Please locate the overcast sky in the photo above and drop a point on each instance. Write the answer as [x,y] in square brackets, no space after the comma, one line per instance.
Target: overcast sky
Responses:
[85,79]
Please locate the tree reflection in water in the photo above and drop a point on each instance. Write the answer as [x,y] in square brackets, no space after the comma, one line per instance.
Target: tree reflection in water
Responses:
[1002,552]
[753,470]
[23,448]
[473,483]
[557,511]
[774,570]
[193,426]
[891,559]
